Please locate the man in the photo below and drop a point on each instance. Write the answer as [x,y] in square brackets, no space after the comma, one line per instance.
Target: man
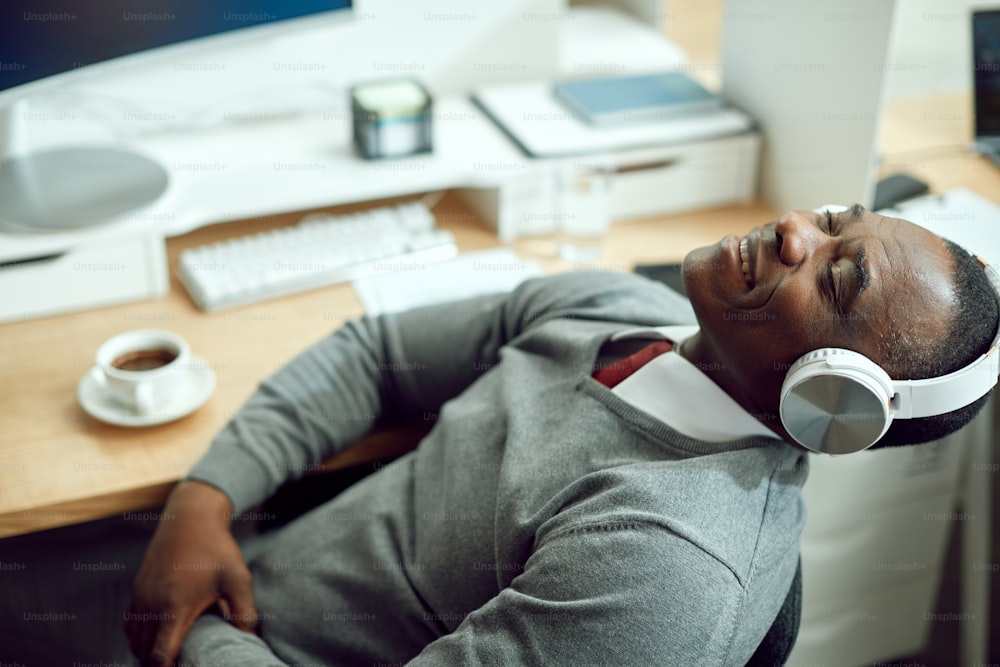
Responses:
[555,514]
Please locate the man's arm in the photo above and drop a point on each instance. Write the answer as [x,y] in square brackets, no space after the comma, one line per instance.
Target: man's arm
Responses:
[387,369]
[632,593]
[397,367]
[213,642]
[324,399]
[604,594]
[393,367]
[191,564]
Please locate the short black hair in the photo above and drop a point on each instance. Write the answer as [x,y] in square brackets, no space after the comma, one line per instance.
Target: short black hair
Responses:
[972,329]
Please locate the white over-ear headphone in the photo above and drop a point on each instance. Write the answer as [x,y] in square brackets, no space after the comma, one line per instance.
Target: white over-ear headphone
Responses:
[837,401]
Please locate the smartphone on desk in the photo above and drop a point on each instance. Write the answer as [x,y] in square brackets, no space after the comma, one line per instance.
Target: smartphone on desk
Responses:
[635,99]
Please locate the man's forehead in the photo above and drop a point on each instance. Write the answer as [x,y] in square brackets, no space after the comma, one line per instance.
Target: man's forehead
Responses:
[906,238]
[910,271]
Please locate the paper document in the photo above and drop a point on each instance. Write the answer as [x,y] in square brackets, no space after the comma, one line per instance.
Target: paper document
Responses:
[469,274]
[958,215]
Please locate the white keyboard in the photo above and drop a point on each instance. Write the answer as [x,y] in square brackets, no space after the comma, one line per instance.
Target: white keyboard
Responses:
[322,249]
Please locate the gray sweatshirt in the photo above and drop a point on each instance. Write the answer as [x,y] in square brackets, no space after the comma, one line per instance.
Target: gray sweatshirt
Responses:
[543,520]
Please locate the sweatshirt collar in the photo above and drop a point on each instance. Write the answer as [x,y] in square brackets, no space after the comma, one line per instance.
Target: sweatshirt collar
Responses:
[678,393]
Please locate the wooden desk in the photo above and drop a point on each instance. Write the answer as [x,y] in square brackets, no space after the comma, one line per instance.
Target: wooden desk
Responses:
[59,466]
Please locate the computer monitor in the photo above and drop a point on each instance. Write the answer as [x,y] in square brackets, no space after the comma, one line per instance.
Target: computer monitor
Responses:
[76,186]
[986,74]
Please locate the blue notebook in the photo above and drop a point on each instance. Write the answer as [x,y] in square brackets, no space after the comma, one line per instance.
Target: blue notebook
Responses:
[635,99]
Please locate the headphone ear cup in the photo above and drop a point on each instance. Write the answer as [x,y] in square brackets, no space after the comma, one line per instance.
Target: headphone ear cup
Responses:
[836,401]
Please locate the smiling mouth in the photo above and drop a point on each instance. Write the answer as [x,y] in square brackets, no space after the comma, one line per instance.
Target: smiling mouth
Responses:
[745,261]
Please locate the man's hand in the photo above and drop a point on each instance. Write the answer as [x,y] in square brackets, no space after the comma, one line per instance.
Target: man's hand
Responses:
[192,563]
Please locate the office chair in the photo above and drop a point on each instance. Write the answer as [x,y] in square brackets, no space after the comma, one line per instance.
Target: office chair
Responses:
[777,644]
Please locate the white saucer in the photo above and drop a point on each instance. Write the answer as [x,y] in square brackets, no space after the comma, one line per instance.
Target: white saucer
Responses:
[195,389]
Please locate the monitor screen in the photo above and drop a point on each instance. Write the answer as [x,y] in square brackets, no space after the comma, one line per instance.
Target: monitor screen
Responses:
[37,43]
[986,71]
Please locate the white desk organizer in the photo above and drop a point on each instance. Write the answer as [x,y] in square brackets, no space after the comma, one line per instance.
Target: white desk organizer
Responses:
[659,167]
[86,275]
[647,182]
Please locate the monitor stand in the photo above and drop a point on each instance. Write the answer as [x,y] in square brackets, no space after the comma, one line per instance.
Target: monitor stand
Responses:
[70,188]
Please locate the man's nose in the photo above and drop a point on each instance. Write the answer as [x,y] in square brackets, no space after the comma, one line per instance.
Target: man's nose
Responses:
[797,237]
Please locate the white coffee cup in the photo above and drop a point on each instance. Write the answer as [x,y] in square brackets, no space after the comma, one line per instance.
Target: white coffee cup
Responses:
[142,368]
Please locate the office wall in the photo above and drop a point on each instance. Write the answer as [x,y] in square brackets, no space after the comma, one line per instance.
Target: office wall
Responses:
[932,50]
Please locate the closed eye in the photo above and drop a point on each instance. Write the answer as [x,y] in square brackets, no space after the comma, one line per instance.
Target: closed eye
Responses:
[830,278]
[832,283]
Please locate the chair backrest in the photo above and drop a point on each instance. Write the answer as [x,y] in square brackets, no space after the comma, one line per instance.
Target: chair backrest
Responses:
[777,644]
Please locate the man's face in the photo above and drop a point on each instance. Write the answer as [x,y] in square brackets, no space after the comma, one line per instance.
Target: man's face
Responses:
[854,280]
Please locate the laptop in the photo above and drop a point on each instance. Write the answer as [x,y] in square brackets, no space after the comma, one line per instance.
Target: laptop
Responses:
[986,82]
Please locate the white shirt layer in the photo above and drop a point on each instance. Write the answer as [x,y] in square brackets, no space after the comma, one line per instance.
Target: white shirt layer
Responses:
[678,393]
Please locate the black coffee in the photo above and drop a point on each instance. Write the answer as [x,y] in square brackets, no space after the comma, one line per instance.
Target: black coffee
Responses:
[144,360]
